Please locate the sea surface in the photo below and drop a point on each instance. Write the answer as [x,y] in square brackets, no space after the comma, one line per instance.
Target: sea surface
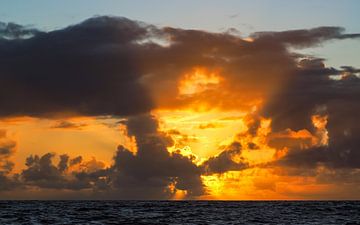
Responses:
[180,212]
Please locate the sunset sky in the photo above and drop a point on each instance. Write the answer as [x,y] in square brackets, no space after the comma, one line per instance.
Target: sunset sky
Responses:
[220,100]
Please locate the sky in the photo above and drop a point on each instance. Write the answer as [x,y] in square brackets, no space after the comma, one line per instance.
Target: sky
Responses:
[230,100]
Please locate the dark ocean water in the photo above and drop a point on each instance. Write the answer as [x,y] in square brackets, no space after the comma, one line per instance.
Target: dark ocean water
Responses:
[179,212]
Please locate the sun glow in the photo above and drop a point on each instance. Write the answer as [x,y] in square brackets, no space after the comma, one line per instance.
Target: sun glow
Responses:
[199,80]
[188,129]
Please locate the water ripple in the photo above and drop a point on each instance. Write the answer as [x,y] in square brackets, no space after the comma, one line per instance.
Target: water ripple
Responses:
[180,212]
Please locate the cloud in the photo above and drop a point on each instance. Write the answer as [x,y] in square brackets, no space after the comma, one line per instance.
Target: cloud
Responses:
[226,161]
[88,69]
[152,170]
[92,68]
[63,163]
[209,126]
[113,66]
[41,172]
[150,173]
[290,139]
[63,124]
[76,160]
[16,31]
[304,38]
[312,91]
[181,139]
[7,149]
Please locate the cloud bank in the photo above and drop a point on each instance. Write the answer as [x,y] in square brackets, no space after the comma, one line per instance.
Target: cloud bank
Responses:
[113,66]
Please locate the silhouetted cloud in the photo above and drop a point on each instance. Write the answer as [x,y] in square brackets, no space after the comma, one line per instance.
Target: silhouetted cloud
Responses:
[304,38]
[312,91]
[92,68]
[89,69]
[41,172]
[7,148]
[152,170]
[112,66]
[150,173]
[76,160]
[228,160]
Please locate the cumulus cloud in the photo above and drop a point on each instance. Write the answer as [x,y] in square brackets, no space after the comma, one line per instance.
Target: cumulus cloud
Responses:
[228,160]
[7,148]
[311,92]
[41,172]
[152,170]
[76,160]
[150,173]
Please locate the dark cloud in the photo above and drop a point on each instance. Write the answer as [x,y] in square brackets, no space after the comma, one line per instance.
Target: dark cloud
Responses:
[89,69]
[7,183]
[310,88]
[228,160]
[116,66]
[151,171]
[304,38]
[76,160]
[63,163]
[7,148]
[41,172]
[337,155]
[312,91]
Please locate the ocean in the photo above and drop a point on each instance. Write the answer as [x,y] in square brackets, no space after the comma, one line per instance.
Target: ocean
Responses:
[180,212]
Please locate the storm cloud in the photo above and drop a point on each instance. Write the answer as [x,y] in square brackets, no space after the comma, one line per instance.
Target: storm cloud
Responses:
[88,69]
[116,66]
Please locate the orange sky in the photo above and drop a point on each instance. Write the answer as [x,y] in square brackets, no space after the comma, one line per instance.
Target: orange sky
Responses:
[196,130]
